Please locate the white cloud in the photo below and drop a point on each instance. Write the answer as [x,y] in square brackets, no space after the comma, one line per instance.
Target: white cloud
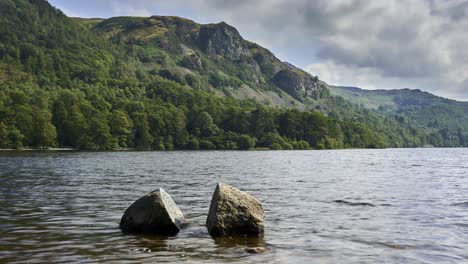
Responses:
[344,75]
[124,9]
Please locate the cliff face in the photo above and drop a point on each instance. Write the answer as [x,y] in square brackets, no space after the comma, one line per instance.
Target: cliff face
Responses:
[224,40]
[295,84]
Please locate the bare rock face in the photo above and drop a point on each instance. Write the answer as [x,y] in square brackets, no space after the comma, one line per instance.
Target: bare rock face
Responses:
[234,213]
[295,84]
[222,39]
[192,62]
[155,213]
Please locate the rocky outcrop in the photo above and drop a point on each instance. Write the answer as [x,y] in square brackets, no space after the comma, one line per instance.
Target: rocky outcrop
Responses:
[234,213]
[296,84]
[268,63]
[155,213]
[192,62]
[222,39]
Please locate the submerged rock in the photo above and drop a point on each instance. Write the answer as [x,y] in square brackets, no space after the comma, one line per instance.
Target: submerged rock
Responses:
[255,250]
[234,213]
[155,213]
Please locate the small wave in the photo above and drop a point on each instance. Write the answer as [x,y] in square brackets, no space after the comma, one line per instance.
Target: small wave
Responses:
[384,244]
[353,203]
[462,204]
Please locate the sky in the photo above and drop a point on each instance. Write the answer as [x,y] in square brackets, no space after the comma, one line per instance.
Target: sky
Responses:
[391,44]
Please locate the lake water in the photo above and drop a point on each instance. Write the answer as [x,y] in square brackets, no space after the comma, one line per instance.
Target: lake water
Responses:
[340,206]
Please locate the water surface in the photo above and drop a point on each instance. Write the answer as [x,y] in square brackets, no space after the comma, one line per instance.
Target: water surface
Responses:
[342,206]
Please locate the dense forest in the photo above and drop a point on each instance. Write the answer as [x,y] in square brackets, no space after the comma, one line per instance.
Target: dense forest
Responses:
[155,84]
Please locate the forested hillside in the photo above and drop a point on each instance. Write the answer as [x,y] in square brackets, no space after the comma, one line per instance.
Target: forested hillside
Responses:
[167,83]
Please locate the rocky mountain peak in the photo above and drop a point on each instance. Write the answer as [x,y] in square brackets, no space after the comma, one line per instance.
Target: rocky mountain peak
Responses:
[222,39]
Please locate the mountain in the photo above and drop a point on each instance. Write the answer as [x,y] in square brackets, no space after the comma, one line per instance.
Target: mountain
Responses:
[215,56]
[170,83]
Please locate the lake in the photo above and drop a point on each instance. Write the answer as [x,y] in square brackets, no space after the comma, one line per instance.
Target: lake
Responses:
[334,206]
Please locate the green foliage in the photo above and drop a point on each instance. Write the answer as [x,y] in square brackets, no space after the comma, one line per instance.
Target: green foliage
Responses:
[207,145]
[193,144]
[120,128]
[203,126]
[287,146]
[142,137]
[276,146]
[301,145]
[219,80]
[246,142]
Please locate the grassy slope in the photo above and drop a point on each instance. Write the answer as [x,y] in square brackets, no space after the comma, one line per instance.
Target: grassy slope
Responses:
[367,98]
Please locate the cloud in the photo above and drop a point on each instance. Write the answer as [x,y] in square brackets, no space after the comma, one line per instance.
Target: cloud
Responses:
[119,9]
[374,44]
[344,75]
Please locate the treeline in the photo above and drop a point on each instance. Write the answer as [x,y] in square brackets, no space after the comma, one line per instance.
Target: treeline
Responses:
[163,115]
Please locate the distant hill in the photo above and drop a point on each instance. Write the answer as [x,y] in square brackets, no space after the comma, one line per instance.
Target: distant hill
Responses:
[448,117]
[165,82]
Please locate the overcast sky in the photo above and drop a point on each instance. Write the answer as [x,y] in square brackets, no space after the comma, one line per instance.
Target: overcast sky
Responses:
[419,44]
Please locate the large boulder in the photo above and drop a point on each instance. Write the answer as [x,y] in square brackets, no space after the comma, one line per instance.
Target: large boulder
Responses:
[155,213]
[234,213]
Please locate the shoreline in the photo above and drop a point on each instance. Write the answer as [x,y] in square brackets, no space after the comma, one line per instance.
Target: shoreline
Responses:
[254,149]
[41,149]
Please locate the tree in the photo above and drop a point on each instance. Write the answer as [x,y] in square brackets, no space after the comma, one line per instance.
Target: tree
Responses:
[44,133]
[143,138]
[203,125]
[193,144]
[276,146]
[246,142]
[120,127]
[4,136]
[99,133]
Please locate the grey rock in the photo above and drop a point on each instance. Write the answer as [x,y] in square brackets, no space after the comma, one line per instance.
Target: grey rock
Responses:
[192,62]
[255,250]
[155,213]
[222,39]
[295,84]
[234,213]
